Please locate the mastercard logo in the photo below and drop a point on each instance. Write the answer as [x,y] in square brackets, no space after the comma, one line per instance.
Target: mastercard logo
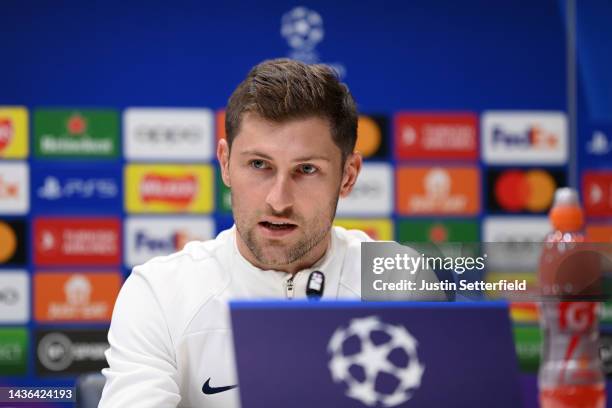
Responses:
[371,136]
[518,190]
[9,242]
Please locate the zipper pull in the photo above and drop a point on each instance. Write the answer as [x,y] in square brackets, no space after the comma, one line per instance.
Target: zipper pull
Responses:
[289,287]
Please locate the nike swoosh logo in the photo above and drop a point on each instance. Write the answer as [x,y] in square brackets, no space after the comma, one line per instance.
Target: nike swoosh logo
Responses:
[208,390]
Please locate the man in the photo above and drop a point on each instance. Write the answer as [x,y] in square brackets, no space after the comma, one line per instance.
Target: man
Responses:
[291,130]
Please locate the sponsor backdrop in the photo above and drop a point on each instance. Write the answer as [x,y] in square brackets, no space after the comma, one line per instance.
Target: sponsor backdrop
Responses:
[107,144]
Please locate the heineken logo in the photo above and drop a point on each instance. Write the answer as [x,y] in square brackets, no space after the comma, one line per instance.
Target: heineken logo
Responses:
[438,233]
[76,125]
[73,133]
[62,146]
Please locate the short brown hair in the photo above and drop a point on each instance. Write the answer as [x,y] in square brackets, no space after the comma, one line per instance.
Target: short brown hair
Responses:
[284,89]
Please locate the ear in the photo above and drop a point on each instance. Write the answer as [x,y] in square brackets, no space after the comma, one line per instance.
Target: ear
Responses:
[352,167]
[223,154]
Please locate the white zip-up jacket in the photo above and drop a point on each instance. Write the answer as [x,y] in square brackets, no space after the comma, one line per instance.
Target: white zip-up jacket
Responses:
[171,334]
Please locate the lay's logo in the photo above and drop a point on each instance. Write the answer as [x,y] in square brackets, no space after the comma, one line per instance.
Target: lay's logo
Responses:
[6,132]
[178,191]
[169,188]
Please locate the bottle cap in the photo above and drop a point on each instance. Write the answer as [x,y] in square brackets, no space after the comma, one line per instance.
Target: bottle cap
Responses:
[566,214]
[566,196]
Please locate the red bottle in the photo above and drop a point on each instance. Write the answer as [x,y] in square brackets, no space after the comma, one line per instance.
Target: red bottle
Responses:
[570,373]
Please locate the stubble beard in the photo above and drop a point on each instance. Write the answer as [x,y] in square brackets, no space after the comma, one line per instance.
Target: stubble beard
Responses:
[285,256]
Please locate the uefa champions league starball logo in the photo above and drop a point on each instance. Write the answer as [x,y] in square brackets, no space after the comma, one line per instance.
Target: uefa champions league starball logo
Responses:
[376,361]
[302,28]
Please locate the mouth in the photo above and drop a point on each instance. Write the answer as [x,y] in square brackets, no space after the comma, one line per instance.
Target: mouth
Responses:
[277,228]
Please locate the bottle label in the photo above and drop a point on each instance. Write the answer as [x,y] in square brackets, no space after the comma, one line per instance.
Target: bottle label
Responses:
[577,316]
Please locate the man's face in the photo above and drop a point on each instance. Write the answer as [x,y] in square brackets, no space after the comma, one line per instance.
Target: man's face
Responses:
[285,181]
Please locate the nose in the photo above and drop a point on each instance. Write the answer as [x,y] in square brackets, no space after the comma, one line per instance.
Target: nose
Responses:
[280,197]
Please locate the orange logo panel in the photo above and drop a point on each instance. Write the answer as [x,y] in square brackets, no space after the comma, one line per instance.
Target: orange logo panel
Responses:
[69,297]
[599,233]
[438,190]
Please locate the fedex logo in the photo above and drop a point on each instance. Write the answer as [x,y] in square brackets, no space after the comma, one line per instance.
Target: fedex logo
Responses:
[532,137]
[168,244]
[148,237]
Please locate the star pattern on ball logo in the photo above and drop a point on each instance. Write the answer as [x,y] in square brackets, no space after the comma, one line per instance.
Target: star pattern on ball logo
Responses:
[376,361]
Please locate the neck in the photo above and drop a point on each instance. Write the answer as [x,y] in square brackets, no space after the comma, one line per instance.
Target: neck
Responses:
[306,261]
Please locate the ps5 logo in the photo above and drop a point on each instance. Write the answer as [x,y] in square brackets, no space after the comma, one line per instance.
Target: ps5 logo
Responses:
[599,144]
[103,188]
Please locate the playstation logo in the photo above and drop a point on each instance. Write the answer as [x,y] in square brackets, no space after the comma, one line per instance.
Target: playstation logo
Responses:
[51,190]
[599,144]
